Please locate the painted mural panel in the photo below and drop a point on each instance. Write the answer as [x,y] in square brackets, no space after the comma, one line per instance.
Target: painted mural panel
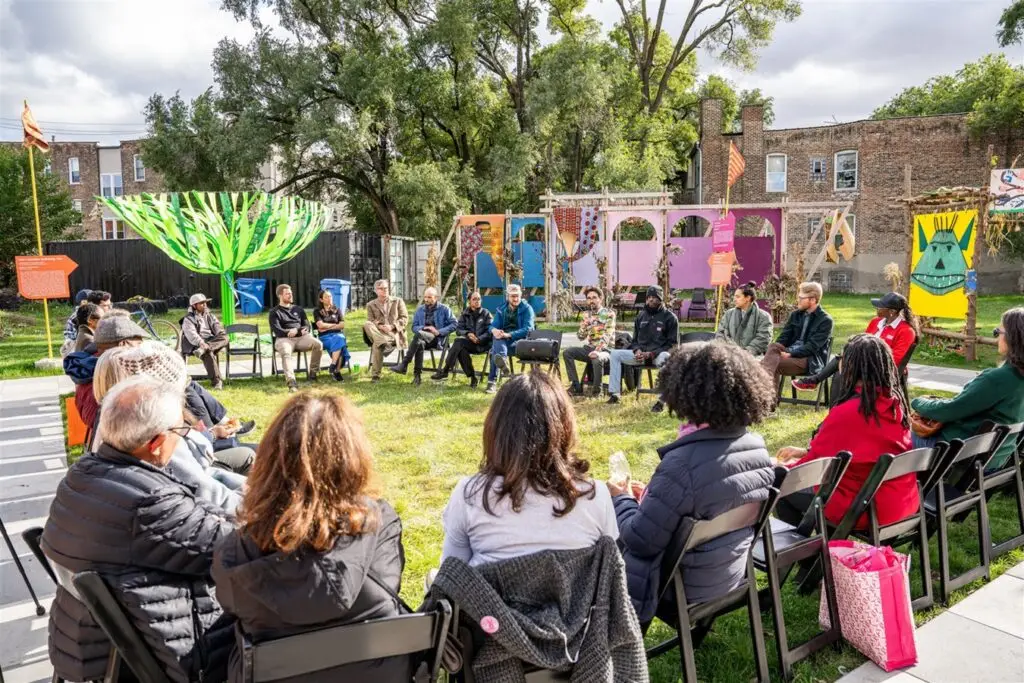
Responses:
[1008,186]
[943,253]
[635,262]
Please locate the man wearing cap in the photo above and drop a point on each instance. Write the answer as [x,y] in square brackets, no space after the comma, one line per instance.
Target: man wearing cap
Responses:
[203,335]
[655,332]
[114,330]
[291,331]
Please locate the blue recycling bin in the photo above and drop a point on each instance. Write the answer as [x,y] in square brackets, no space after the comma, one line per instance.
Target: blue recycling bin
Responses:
[340,290]
[250,294]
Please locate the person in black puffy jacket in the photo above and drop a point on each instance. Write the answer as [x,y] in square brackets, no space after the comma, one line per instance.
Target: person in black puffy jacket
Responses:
[119,512]
[314,545]
[716,465]
[472,336]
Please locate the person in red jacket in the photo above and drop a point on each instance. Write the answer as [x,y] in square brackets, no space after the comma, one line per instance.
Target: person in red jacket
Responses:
[870,420]
[895,324]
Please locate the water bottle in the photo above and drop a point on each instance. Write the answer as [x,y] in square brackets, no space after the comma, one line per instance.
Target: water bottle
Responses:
[618,468]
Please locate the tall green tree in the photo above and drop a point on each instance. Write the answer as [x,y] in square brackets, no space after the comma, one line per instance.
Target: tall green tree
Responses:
[1011,25]
[58,219]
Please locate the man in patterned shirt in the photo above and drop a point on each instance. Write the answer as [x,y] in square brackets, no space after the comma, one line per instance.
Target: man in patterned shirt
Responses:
[597,330]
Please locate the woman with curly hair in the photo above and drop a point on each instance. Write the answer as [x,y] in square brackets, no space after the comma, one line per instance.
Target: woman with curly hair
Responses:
[315,545]
[996,394]
[532,492]
[870,419]
[710,470]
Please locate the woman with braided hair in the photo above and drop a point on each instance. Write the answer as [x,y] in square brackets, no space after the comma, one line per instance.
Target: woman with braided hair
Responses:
[870,419]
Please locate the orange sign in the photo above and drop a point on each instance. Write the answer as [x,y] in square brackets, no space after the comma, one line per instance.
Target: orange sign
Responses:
[721,267]
[44,277]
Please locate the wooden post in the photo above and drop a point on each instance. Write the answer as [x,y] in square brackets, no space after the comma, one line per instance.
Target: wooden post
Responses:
[971,347]
[908,220]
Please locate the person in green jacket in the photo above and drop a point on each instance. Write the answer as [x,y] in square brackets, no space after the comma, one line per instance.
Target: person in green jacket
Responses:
[747,325]
[996,394]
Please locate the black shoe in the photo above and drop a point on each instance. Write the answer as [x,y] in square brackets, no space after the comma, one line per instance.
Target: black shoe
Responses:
[417,380]
[613,399]
[473,382]
[575,390]
[336,374]
[440,375]
[657,407]
[292,386]
[400,368]
[246,427]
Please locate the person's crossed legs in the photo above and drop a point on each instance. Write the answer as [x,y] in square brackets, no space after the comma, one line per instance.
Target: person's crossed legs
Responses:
[620,357]
[378,342]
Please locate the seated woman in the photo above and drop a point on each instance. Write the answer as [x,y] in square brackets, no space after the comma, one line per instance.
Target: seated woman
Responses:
[330,322]
[869,420]
[532,492]
[895,324]
[472,336]
[87,316]
[706,472]
[996,394]
[746,325]
[315,545]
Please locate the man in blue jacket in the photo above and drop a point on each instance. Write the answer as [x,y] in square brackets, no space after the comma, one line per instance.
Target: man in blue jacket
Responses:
[431,324]
[513,322]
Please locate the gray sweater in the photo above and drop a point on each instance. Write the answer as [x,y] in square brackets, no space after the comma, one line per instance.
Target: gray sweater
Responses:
[750,329]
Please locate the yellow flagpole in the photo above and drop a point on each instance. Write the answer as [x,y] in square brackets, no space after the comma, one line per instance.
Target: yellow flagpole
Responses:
[39,244]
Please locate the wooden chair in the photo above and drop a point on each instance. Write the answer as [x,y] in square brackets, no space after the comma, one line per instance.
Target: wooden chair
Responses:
[783,546]
[254,352]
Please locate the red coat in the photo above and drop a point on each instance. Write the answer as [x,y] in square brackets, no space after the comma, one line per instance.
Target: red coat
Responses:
[85,401]
[846,429]
[899,338]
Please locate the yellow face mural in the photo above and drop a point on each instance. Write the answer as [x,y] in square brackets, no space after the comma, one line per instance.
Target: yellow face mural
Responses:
[943,253]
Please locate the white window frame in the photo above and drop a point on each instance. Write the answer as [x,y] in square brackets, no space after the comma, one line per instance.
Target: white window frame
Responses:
[137,165]
[819,175]
[107,182]
[768,174]
[836,171]
[74,170]
[115,227]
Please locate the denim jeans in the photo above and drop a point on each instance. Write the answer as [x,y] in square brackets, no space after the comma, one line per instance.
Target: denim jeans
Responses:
[923,441]
[620,357]
[500,347]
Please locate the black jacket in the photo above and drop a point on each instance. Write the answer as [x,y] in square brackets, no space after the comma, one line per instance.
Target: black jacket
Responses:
[152,539]
[477,322]
[284,318]
[815,346]
[655,332]
[274,595]
[700,475]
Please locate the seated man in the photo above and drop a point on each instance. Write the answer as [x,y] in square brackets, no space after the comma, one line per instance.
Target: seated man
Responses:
[802,347]
[386,318]
[512,323]
[72,324]
[597,330]
[202,335]
[655,332]
[291,331]
[472,336]
[113,330]
[120,512]
[431,324]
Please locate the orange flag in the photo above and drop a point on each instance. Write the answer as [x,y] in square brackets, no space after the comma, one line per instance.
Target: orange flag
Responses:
[736,164]
[33,135]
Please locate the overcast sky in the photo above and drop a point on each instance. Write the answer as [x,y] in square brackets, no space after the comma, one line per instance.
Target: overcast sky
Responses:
[87,67]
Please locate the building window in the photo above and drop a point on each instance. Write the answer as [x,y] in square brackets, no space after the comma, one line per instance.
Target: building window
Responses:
[140,169]
[846,170]
[77,205]
[47,167]
[775,172]
[110,185]
[819,168]
[113,229]
[73,176]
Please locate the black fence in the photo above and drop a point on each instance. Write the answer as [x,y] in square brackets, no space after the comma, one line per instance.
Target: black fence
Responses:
[127,268]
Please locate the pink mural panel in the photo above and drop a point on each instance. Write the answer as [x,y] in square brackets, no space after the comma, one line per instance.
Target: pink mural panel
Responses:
[688,267]
[674,217]
[634,262]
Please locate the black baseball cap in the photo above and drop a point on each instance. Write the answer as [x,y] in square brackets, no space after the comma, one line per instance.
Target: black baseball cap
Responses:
[892,300]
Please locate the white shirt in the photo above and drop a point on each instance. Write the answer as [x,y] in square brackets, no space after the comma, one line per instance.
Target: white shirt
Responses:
[478,537]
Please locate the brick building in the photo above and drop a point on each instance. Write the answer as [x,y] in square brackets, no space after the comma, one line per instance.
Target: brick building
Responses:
[863,162]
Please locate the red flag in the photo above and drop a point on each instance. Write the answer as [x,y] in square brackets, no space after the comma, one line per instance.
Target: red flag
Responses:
[736,164]
[33,135]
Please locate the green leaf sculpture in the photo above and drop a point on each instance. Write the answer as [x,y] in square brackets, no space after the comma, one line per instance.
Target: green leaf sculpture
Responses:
[223,233]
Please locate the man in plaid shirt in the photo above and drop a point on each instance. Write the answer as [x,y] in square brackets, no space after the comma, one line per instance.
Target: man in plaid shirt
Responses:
[597,330]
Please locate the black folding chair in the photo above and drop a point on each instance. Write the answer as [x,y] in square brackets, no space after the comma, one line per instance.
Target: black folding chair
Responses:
[691,534]
[420,635]
[441,347]
[252,352]
[1008,481]
[551,363]
[821,398]
[946,503]
[32,536]
[689,337]
[40,610]
[300,358]
[129,645]
[783,546]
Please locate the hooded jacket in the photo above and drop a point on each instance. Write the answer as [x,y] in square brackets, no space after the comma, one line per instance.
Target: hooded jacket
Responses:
[523,324]
[655,332]
[275,594]
[80,366]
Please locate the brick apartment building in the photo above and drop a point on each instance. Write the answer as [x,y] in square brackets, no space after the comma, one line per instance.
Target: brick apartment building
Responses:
[862,162]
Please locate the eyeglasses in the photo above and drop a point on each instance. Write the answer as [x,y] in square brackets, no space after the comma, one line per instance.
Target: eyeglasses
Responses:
[181,431]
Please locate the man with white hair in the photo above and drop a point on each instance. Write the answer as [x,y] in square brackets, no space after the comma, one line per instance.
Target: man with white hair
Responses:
[384,331]
[203,335]
[512,322]
[431,324]
[122,513]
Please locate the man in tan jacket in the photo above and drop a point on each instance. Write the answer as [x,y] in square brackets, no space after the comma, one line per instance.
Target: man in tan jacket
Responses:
[386,319]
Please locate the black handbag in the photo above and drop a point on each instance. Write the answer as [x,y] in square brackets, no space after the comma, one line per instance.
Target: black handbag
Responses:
[537,349]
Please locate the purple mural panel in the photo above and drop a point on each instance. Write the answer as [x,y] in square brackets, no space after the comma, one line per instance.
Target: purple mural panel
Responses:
[689,267]
[773,216]
[673,217]
[755,257]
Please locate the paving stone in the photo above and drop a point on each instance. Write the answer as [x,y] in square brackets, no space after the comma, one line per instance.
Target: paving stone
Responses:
[992,606]
[954,649]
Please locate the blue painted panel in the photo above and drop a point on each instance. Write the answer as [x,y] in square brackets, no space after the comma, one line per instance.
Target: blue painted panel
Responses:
[538,303]
[518,224]
[487,276]
[492,301]
[533,262]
